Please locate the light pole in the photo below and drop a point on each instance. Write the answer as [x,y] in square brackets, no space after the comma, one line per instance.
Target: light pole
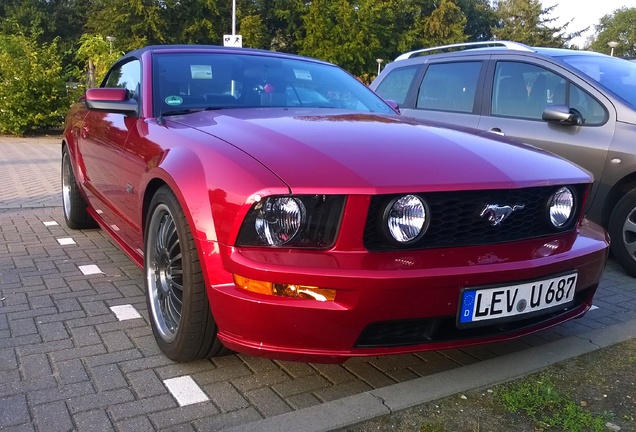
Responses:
[379,63]
[233,17]
[612,45]
[110,40]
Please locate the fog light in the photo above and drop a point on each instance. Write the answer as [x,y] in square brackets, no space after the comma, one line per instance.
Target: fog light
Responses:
[285,290]
[561,207]
[407,218]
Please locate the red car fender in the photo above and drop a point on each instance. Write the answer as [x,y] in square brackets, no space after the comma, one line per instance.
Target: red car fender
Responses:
[189,186]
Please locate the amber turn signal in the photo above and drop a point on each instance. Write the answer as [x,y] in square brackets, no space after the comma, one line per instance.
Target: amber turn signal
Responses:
[285,290]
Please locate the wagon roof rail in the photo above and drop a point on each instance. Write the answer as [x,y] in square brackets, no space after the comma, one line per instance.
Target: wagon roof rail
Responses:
[464,46]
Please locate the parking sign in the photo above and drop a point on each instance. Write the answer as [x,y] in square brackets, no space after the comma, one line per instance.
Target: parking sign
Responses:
[233,41]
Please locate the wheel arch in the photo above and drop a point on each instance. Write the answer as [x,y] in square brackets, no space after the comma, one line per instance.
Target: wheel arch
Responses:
[193,200]
[151,189]
[182,171]
[617,191]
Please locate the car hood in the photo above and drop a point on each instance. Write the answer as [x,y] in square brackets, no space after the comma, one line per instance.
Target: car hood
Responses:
[377,153]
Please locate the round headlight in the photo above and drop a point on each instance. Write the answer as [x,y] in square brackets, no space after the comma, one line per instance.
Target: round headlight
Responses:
[406,218]
[279,220]
[561,207]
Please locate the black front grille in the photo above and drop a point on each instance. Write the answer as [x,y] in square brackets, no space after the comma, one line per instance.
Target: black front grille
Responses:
[455,218]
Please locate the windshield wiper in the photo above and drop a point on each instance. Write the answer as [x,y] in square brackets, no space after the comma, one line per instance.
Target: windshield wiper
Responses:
[185,111]
[181,111]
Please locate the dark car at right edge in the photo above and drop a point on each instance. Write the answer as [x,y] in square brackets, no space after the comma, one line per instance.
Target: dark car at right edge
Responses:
[580,105]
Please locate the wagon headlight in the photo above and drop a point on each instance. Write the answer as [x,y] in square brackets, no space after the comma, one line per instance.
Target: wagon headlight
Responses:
[309,221]
[561,207]
[406,218]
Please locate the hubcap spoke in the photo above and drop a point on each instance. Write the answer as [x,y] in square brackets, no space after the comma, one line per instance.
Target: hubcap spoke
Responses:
[631,249]
[629,226]
[629,234]
[175,306]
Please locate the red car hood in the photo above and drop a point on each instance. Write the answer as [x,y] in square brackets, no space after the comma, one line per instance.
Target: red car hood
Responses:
[378,154]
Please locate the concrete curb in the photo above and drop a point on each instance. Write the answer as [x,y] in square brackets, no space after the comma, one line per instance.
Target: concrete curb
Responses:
[365,406]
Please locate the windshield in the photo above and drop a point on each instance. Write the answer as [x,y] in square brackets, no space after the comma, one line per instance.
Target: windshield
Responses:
[190,82]
[616,74]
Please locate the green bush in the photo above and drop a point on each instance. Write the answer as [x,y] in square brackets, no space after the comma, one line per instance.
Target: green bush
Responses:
[33,93]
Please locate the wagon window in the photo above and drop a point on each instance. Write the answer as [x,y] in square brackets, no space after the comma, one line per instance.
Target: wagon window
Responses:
[397,83]
[449,87]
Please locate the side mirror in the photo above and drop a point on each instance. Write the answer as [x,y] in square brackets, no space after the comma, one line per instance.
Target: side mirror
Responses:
[562,114]
[114,100]
[393,104]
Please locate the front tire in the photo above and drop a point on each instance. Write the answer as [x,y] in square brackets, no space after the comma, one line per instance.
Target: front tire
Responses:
[622,230]
[75,208]
[178,305]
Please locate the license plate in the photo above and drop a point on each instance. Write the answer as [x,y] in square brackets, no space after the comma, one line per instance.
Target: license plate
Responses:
[480,305]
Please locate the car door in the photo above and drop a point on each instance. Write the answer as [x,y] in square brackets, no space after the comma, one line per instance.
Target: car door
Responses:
[103,138]
[518,91]
[445,91]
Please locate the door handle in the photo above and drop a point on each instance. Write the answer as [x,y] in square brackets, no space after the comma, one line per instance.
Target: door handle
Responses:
[496,131]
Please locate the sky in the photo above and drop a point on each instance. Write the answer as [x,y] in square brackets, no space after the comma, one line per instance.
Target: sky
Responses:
[584,14]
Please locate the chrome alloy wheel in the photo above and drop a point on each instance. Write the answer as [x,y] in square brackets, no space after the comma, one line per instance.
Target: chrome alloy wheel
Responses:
[164,273]
[67,179]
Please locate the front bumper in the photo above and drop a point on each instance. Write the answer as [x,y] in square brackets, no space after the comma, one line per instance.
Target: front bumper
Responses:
[385,296]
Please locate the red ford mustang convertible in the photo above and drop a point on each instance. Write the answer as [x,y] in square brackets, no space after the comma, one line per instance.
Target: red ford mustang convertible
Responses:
[280,208]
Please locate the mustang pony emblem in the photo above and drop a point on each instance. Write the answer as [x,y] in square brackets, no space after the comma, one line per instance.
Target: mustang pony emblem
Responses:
[496,213]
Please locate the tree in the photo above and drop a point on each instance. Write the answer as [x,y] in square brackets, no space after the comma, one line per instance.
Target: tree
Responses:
[353,34]
[620,27]
[254,32]
[195,21]
[281,26]
[342,33]
[133,23]
[28,17]
[445,24]
[45,20]
[480,19]
[526,21]
[96,55]
[33,93]
[431,23]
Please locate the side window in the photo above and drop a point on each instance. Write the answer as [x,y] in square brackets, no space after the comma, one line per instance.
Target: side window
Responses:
[592,111]
[524,90]
[449,87]
[396,84]
[126,76]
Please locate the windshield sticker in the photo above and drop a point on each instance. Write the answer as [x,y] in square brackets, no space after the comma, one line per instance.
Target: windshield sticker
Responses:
[302,74]
[174,100]
[201,71]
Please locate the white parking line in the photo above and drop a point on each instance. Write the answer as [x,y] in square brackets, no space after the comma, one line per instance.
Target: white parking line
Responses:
[89,269]
[185,390]
[125,312]
[50,223]
[66,241]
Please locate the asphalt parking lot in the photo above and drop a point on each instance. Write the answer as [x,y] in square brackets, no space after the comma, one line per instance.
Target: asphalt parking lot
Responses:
[77,351]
